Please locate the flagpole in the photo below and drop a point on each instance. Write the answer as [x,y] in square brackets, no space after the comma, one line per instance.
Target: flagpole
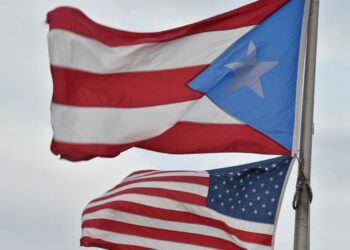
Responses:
[302,216]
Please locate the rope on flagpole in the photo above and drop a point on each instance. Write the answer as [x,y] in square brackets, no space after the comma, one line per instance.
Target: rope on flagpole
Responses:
[302,183]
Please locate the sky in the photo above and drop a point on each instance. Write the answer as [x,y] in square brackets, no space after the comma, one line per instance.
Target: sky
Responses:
[42,197]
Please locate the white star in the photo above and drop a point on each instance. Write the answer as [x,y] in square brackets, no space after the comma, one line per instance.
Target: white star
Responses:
[249,72]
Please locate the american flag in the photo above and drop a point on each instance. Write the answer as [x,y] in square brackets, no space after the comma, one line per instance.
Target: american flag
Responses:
[228,208]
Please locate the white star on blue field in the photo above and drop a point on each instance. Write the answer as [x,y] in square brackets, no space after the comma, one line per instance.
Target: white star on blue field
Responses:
[248,73]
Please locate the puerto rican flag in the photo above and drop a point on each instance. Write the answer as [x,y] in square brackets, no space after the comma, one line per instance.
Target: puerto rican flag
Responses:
[230,83]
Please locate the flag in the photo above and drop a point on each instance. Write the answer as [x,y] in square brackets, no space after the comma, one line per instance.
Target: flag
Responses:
[228,208]
[224,84]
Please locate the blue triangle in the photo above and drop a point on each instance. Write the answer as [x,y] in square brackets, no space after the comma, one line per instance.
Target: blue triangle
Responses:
[277,39]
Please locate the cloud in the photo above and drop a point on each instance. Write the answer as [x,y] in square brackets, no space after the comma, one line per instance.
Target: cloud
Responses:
[334,33]
[42,196]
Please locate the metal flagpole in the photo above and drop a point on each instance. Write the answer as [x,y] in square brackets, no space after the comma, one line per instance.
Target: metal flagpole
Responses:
[302,205]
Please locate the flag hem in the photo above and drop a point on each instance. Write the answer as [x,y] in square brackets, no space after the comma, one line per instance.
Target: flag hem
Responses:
[281,201]
[300,80]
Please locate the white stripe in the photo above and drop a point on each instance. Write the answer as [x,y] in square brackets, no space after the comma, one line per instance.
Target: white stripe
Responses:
[205,111]
[144,221]
[165,203]
[126,239]
[136,175]
[168,185]
[74,51]
[126,125]
[167,174]
[114,125]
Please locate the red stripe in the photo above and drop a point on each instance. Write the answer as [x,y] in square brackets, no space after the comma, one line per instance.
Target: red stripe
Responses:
[90,242]
[187,137]
[183,197]
[204,181]
[183,138]
[186,217]
[75,21]
[84,152]
[160,234]
[154,172]
[125,90]
[143,172]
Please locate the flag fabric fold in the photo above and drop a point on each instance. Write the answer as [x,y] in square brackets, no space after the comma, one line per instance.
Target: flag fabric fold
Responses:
[224,84]
[229,208]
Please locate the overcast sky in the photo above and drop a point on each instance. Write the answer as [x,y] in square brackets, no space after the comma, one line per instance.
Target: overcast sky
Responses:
[42,197]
